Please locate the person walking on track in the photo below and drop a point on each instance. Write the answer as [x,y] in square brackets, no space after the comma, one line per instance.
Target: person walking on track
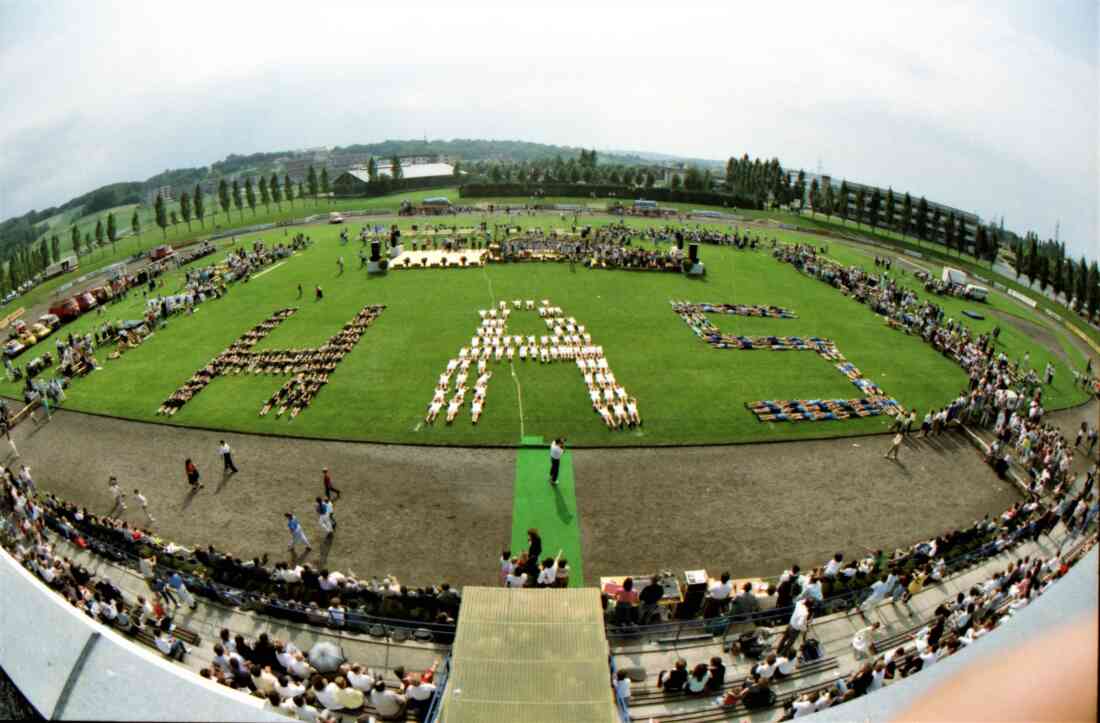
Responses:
[297,534]
[192,475]
[143,503]
[557,449]
[227,457]
[892,453]
[117,493]
[331,492]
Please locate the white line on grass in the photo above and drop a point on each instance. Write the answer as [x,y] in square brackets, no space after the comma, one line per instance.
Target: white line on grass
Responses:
[511,365]
[256,276]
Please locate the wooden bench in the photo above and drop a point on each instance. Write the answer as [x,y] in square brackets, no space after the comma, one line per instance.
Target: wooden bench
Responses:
[148,635]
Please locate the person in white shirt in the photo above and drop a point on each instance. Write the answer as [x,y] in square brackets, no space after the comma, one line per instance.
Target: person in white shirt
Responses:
[327,693]
[388,703]
[832,567]
[419,694]
[514,580]
[273,704]
[284,654]
[167,644]
[360,679]
[557,449]
[227,457]
[143,503]
[298,667]
[263,679]
[864,640]
[116,492]
[622,685]
[549,572]
[767,668]
[287,688]
[221,658]
[304,710]
[928,658]
[804,706]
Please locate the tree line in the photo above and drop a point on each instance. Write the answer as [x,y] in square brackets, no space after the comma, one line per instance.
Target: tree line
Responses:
[1046,263]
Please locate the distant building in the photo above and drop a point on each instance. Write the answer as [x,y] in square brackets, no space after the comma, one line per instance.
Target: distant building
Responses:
[164,192]
[354,182]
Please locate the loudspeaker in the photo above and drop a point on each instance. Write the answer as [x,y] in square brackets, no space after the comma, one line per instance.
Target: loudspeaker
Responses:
[680,240]
[695,590]
[375,250]
[693,252]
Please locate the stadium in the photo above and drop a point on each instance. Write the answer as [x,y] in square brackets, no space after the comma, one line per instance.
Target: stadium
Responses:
[495,430]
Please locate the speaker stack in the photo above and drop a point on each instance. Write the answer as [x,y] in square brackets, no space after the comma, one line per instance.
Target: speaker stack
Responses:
[693,253]
[695,590]
[374,265]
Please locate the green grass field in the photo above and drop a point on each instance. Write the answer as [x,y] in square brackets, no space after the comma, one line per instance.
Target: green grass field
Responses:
[687,391]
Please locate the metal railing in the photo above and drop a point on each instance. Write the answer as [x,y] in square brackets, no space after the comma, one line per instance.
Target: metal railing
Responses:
[719,625]
[621,704]
[441,678]
[398,629]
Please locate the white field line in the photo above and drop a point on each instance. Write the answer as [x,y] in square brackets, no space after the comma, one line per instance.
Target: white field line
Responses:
[256,276]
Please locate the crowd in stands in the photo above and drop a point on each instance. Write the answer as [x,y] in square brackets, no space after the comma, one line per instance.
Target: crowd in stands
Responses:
[271,669]
[287,590]
[955,624]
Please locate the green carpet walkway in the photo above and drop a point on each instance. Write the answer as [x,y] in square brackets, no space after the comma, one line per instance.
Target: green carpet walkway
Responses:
[550,510]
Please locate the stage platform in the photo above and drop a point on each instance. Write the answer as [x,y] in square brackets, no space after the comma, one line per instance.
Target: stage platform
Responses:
[530,655]
[435,258]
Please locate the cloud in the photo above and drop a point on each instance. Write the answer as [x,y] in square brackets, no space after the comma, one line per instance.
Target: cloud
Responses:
[994,112]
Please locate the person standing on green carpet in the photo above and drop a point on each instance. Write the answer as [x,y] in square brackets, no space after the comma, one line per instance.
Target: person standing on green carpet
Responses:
[557,449]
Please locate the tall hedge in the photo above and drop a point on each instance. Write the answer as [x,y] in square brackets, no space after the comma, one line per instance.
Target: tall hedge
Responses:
[623,193]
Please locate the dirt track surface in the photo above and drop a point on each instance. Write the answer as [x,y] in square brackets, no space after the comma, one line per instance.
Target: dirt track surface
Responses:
[434,514]
[756,509]
[423,514]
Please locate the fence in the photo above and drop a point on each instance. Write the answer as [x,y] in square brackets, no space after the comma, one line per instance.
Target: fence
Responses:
[695,628]
[441,677]
[395,629]
[622,705]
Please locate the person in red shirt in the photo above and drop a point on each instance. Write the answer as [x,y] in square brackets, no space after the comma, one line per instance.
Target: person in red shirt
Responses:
[192,474]
[330,491]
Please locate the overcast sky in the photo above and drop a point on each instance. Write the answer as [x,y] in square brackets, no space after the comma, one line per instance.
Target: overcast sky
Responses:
[984,106]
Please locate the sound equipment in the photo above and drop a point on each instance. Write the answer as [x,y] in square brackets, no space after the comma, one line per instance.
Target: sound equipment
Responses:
[680,240]
[695,591]
[693,253]
[375,250]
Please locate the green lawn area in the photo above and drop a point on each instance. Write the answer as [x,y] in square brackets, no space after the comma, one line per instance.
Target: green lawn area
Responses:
[687,391]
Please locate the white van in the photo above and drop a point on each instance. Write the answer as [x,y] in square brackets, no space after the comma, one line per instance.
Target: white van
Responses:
[977,293]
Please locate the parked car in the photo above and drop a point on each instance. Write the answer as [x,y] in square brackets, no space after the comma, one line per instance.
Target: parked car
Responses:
[102,294]
[66,309]
[40,330]
[335,218]
[161,252]
[50,320]
[14,348]
[86,302]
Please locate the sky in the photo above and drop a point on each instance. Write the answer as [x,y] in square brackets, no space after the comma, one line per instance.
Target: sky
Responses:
[990,106]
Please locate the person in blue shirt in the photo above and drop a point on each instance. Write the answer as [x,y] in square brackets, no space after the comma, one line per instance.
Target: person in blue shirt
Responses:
[297,534]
